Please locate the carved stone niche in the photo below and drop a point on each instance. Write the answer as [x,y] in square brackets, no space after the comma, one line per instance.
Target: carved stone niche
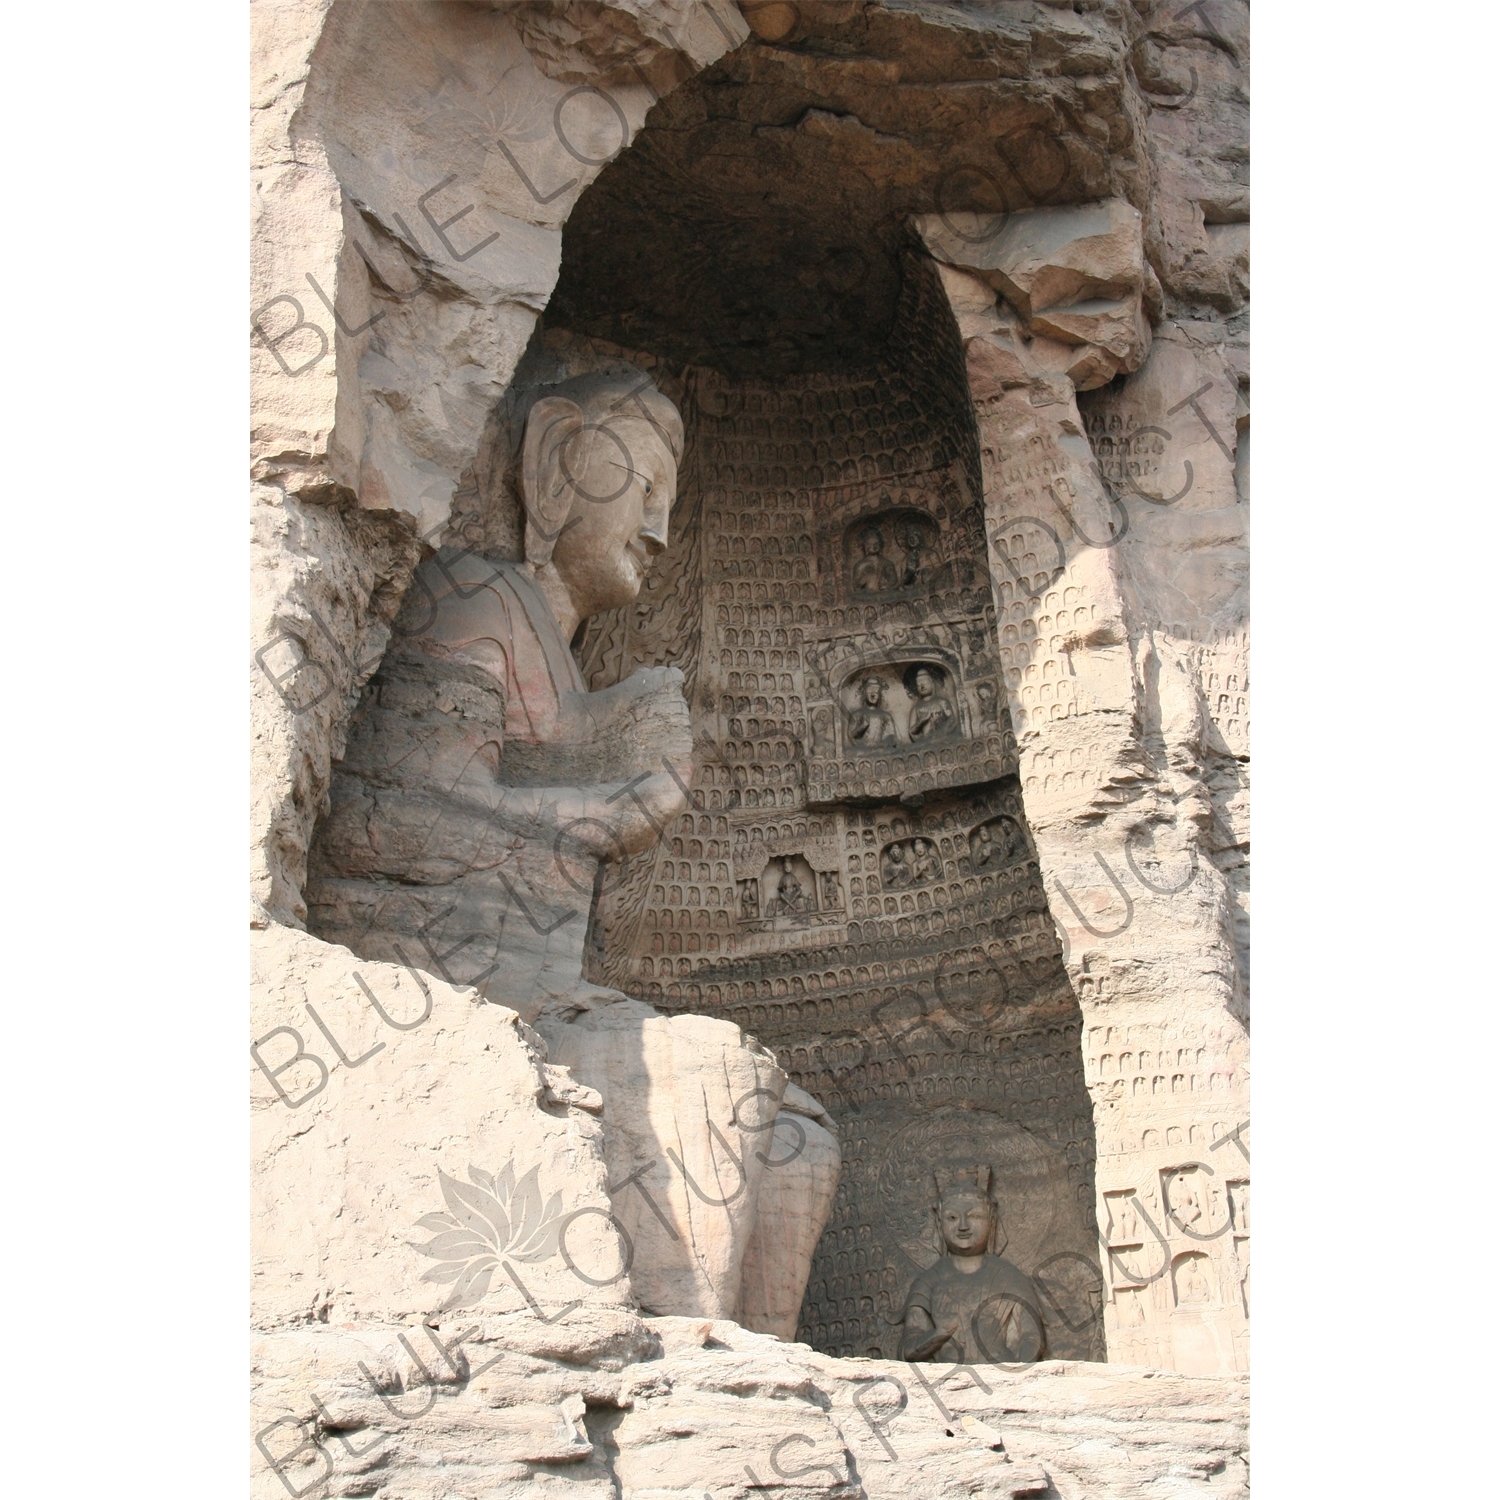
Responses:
[914,545]
[893,1002]
[997,844]
[894,550]
[1193,1280]
[1041,1237]
[790,894]
[903,727]
[891,704]
[909,862]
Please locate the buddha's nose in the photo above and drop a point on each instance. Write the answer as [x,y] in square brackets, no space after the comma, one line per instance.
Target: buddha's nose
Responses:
[652,536]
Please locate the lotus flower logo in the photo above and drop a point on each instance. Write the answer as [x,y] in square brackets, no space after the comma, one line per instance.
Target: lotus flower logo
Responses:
[495,1216]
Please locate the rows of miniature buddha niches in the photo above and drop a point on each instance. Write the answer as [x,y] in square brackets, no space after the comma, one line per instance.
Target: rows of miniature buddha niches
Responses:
[884,679]
[849,885]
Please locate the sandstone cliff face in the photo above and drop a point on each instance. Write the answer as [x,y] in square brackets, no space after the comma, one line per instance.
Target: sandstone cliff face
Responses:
[390,316]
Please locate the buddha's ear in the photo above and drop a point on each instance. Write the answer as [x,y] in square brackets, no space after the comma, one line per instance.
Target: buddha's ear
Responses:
[546,490]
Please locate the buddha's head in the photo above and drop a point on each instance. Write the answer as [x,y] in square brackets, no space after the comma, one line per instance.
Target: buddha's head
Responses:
[968,1220]
[598,476]
[872,542]
[964,1218]
[923,683]
[871,688]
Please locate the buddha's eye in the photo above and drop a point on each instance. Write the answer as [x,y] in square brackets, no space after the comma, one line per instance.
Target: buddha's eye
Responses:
[648,487]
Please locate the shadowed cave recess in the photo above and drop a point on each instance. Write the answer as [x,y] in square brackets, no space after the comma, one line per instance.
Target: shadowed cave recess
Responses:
[854,883]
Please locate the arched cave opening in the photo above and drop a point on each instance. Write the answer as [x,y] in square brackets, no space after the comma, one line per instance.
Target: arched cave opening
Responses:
[854,883]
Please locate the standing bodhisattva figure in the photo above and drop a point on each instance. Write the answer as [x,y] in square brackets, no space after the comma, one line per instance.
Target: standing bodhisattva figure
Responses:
[874,573]
[870,724]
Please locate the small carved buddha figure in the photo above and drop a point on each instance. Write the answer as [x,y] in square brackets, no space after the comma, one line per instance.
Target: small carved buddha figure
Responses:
[972,1306]
[1239,1200]
[870,724]
[914,543]
[933,712]
[790,899]
[750,901]
[895,872]
[925,865]
[833,896]
[994,844]
[989,708]
[986,850]
[873,573]
[1192,1284]
[822,732]
[1186,1208]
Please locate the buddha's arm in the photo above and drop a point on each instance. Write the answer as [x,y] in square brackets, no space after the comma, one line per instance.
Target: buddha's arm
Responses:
[921,1338]
[605,821]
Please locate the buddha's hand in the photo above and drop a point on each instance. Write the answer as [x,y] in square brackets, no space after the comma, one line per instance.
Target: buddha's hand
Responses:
[918,1342]
[652,679]
[643,808]
[665,723]
[658,692]
[644,719]
[588,824]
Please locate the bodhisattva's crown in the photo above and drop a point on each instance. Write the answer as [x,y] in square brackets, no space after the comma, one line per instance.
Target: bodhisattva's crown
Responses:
[968,1179]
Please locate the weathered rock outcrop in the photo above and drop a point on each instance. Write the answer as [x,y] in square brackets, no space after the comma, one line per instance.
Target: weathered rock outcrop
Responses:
[660,1407]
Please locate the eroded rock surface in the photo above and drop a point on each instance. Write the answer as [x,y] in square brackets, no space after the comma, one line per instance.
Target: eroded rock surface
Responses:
[647,1409]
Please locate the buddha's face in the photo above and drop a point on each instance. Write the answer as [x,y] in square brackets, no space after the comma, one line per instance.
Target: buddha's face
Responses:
[872,691]
[623,477]
[965,1221]
[924,685]
[872,543]
[897,854]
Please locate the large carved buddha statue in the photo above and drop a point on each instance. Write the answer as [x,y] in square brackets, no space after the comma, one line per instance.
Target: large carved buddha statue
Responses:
[485,792]
[482,783]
